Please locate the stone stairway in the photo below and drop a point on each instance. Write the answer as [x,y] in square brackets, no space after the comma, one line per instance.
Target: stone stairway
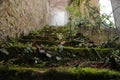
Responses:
[54,45]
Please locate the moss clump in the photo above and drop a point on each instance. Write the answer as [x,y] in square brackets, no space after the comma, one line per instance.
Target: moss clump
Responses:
[95,74]
[83,53]
[58,74]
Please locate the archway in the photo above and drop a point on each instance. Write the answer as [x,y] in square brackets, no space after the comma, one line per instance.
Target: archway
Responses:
[58,12]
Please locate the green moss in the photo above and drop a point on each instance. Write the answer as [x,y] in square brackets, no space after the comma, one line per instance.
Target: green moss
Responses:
[60,73]
[105,51]
[95,74]
[86,53]
[26,54]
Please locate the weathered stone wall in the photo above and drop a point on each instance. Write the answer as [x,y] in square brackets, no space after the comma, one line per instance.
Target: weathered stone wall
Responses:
[116,12]
[21,16]
[59,4]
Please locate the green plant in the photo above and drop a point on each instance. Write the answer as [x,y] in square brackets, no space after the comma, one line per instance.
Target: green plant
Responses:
[92,17]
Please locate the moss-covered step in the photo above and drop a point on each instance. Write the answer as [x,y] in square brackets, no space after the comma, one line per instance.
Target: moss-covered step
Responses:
[83,53]
[64,52]
[39,42]
[58,74]
[38,37]
[27,55]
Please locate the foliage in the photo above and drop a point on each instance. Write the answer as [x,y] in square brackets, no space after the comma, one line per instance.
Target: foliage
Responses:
[111,43]
[89,16]
[116,52]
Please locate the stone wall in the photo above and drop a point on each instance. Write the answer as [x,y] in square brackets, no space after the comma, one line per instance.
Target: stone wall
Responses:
[21,16]
[116,12]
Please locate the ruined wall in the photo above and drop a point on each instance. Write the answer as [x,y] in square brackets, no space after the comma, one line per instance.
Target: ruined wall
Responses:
[21,16]
[116,12]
